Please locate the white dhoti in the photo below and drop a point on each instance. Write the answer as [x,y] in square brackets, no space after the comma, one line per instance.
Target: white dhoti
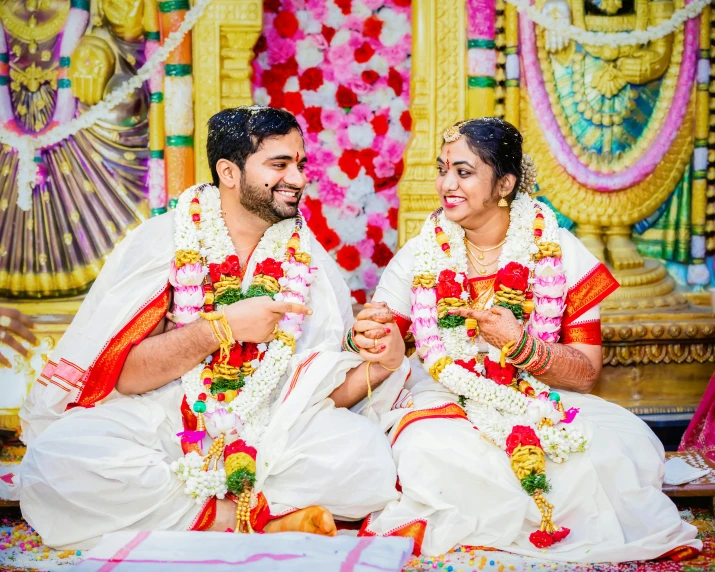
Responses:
[462,488]
[90,471]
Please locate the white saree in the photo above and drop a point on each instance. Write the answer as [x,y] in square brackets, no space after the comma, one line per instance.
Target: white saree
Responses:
[458,488]
[99,462]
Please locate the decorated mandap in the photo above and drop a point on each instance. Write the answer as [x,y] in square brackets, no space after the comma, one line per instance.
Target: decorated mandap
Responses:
[104,106]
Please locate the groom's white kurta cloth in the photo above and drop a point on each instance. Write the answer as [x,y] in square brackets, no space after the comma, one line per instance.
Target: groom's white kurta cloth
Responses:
[94,468]
[458,488]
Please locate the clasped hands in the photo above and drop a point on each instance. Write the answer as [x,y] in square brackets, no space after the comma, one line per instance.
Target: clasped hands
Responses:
[378,337]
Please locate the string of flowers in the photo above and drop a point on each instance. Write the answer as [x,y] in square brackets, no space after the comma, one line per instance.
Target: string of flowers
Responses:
[632,38]
[509,406]
[26,145]
[229,392]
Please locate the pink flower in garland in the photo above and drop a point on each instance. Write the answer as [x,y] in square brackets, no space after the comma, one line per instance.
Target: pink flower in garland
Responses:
[342,66]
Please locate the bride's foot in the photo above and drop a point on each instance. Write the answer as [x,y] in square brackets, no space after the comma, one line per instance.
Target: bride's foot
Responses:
[314,520]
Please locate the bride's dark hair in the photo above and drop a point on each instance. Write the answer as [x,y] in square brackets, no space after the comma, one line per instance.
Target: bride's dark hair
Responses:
[498,144]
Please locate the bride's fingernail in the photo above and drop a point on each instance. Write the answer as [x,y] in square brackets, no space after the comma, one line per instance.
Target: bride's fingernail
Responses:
[382,347]
[387,330]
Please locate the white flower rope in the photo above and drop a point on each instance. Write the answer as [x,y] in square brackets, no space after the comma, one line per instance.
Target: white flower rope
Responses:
[568,31]
[27,145]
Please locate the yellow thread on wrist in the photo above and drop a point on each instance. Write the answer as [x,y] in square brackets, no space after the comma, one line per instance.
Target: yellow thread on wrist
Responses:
[504,351]
[389,369]
[367,378]
[223,334]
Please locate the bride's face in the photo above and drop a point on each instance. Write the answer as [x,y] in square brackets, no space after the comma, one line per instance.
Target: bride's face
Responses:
[465,183]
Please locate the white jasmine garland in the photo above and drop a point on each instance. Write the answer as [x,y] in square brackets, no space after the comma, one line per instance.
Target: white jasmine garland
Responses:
[494,409]
[251,405]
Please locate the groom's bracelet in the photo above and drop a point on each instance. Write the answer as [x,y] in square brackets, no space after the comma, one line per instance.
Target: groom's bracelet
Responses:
[349,344]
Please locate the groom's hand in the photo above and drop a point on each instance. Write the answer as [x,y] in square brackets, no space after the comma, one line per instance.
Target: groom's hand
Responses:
[255,319]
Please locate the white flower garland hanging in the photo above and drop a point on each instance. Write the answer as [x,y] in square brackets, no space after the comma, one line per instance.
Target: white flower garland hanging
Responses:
[633,38]
[27,145]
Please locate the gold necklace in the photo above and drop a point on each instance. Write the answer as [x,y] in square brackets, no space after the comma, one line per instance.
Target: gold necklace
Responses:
[475,263]
[483,250]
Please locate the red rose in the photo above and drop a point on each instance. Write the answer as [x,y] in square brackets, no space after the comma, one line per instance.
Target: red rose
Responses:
[272,5]
[382,254]
[470,365]
[521,435]
[235,358]
[348,257]
[370,76]
[448,290]
[541,539]
[363,53]
[447,276]
[514,276]
[372,27]
[328,33]
[560,534]
[311,79]
[359,295]
[250,352]
[392,217]
[290,67]
[374,233]
[367,158]
[286,24]
[273,80]
[312,117]
[394,80]
[346,97]
[328,238]
[402,3]
[293,102]
[346,6]
[277,100]
[225,268]
[270,267]
[380,124]
[349,163]
[498,374]
[406,120]
[215,272]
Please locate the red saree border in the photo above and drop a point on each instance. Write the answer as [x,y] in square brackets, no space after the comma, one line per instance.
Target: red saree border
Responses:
[103,375]
[206,517]
[302,368]
[588,292]
[414,529]
[583,333]
[448,411]
[680,553]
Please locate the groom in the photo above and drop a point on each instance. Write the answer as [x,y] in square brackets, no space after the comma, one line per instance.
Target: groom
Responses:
[135,395]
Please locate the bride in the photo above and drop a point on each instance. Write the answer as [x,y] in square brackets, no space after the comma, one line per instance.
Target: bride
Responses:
[499,443]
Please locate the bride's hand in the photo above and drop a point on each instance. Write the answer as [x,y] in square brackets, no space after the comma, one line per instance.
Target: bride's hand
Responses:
[372,324]
[497,326]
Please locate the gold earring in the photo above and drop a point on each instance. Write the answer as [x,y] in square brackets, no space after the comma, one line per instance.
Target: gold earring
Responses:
[502,201]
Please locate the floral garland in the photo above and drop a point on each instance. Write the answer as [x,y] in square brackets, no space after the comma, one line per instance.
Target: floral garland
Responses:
[561,149]
[632,38]
[27,145]
[230,392]
[342,68]
[510,407]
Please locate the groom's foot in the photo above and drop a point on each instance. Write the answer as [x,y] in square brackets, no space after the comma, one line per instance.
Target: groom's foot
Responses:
[314,520]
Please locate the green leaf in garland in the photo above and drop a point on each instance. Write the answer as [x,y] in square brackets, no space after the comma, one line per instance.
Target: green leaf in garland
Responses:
[239,480]
[222,385]
[535,482]
[462,401]
[516,309]
[450,321]
[258,291]
[230,296]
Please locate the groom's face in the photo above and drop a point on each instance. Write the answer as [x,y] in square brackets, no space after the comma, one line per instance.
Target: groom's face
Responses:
[272,181]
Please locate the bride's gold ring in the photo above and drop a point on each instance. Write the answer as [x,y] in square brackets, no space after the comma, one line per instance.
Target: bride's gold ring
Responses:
[5,321]
[374,343]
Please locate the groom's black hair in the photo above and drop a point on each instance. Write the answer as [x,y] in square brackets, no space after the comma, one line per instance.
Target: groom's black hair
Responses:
[236,134]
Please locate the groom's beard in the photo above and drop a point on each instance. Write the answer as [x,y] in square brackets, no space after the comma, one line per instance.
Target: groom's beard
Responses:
[265,203]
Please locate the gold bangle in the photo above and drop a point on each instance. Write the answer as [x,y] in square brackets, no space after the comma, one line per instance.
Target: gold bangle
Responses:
[367,378]
[505,351]
[387,368]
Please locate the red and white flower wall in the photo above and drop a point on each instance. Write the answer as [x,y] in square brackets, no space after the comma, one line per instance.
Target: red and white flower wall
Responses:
[342,67]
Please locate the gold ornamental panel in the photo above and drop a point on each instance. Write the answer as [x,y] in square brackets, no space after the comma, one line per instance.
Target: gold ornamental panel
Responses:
[223,41]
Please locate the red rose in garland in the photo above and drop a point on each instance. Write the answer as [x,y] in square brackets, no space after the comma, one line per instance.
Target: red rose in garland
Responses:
[372,27]
[328,33]
[514,276]
[270,267]
[447,286]
[215,272]
[541,539]
[498,374]
[363,53]
[521,436]
[380,124]
[370,76]
[560,534]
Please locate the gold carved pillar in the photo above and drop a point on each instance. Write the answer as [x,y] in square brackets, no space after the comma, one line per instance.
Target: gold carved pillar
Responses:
[223,49]
[438,92]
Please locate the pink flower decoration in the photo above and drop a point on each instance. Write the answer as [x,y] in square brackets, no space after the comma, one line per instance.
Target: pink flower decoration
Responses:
[552,287]
[550,307]
[332,119]
[186,314]
[383,167]
[366,248]
[188,296]
[548,267]
[190,274]
[370,277]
